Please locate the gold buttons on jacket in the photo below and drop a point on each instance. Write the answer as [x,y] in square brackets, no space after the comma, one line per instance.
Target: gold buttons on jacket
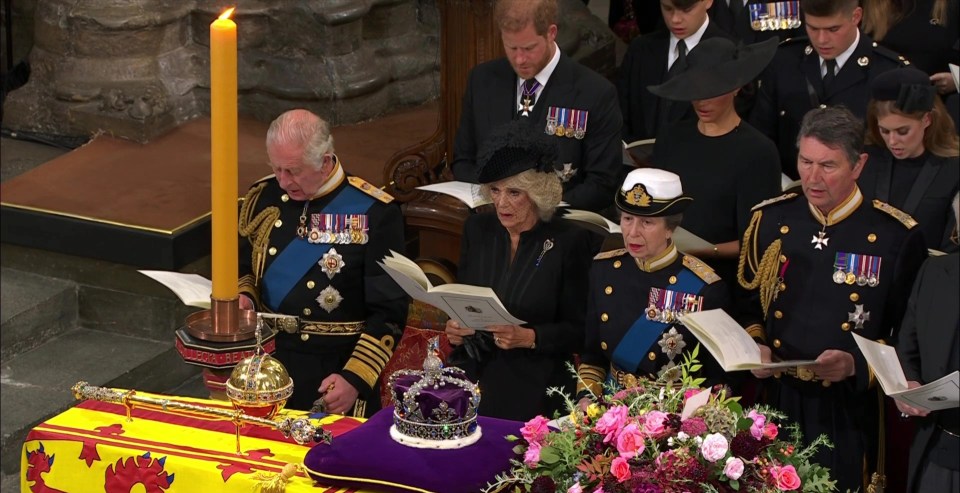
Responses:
[272,251]
[284,198]
[845,326]
[776,343]
[825,383]
[673,279]
[307,311]
[304,337]
[778,314]
[603,345]
[277,223]
[311,284]
[783,286]
[784,229]
[608,290]
[617,264]
[604,317]
[652,356]
[871,237]
[854,297]
[783,258]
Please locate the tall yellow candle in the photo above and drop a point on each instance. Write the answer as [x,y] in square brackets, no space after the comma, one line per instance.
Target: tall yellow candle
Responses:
[223,156]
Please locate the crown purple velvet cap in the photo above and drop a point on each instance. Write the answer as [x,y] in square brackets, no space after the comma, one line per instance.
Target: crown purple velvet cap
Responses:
[435,407]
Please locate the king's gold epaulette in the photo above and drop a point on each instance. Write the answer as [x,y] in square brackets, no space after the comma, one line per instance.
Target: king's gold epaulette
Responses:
[702,270]
[610,254]
[897,214]
[786,196]
[370,190]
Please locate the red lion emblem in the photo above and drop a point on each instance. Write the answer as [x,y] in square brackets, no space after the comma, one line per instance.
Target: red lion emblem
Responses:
[141,469]
[38,462]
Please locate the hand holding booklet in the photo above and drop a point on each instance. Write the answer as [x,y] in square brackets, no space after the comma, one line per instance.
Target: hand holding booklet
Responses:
[729,343]
[476,307]
[943,393]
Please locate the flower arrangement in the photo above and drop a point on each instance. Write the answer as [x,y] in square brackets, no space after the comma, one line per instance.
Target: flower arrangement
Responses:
[663,437]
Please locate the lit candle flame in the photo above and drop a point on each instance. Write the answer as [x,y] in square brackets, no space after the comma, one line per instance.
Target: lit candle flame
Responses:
[227,13]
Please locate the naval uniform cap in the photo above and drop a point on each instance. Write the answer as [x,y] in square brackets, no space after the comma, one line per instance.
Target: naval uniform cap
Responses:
[651,192]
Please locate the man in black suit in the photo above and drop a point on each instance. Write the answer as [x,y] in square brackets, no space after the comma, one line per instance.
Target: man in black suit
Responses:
[832,66]
[929,348]
[538,83]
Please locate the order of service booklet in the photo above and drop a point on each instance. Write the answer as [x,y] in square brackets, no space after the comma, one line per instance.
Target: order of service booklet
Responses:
[468,193]
[476,307]
[192,289]
[685,240]
[943,393]
[729,343]
[638,153]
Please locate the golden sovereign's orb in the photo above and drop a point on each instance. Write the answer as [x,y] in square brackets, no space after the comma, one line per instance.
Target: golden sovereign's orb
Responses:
[259,386]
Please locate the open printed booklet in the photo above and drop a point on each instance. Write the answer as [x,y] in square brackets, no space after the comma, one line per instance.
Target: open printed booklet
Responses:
[638,153]
[729,343]
[786,183]
[468,193]
[943,393]
[685,240]
[476,307]
[192,289]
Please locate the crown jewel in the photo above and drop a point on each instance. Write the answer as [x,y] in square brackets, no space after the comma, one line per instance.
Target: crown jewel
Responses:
[435,407]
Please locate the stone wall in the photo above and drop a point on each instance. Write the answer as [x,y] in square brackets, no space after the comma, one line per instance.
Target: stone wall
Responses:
[136,68]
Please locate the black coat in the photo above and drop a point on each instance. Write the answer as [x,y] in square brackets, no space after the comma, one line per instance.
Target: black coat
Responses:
[490,100]
[929,344]
[929,198]
[645,64]
[811,313]
[791,86]
[547,288]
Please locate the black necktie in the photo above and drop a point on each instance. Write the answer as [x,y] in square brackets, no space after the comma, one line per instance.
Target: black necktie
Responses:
[528,96]
[681,62]
[830,74]
[736,6]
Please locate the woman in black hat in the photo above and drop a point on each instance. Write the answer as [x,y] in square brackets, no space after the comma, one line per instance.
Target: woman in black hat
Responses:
[913,148]
[537,264]
[638,293]
[726,165]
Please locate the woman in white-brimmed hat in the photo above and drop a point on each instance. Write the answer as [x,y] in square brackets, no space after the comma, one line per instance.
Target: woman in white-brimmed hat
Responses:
[637,293]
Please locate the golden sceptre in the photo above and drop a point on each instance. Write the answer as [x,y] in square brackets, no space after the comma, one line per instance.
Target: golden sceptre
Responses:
[300,429]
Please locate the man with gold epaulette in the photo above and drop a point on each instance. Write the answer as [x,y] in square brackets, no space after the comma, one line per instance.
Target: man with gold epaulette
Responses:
[831,66]
[818,268]
[310,240]
[638,293]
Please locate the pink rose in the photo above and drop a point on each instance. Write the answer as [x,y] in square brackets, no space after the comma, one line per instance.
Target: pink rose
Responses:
[654,423]
[532,456]
[759,420]
[620,469]
[770,431]
[534,430]
[733,469]
[576,488]
[630,441]
[785,477]
[714,447]
[690,393]
[611,422]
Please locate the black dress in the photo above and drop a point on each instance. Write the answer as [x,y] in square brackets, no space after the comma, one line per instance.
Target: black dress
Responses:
[923,187]
[544,285]
[725,175]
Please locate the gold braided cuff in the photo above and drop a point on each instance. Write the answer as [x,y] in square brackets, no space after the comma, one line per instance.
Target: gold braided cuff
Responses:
[756,331]
[591,378]
[369,357]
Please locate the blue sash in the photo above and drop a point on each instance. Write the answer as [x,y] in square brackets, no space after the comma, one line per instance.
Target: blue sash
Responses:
[633,347]
[300,255]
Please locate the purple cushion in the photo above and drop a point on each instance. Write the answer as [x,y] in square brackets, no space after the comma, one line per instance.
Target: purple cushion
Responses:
[366,457]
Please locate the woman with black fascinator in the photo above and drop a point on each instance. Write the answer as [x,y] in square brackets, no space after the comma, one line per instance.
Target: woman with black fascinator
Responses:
[914,151]
[537,264]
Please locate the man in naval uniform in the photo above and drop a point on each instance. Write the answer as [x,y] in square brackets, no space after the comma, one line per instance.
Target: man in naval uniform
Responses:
[817,268]
[832,66]
[310,239]
[625,340]
[537,83]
